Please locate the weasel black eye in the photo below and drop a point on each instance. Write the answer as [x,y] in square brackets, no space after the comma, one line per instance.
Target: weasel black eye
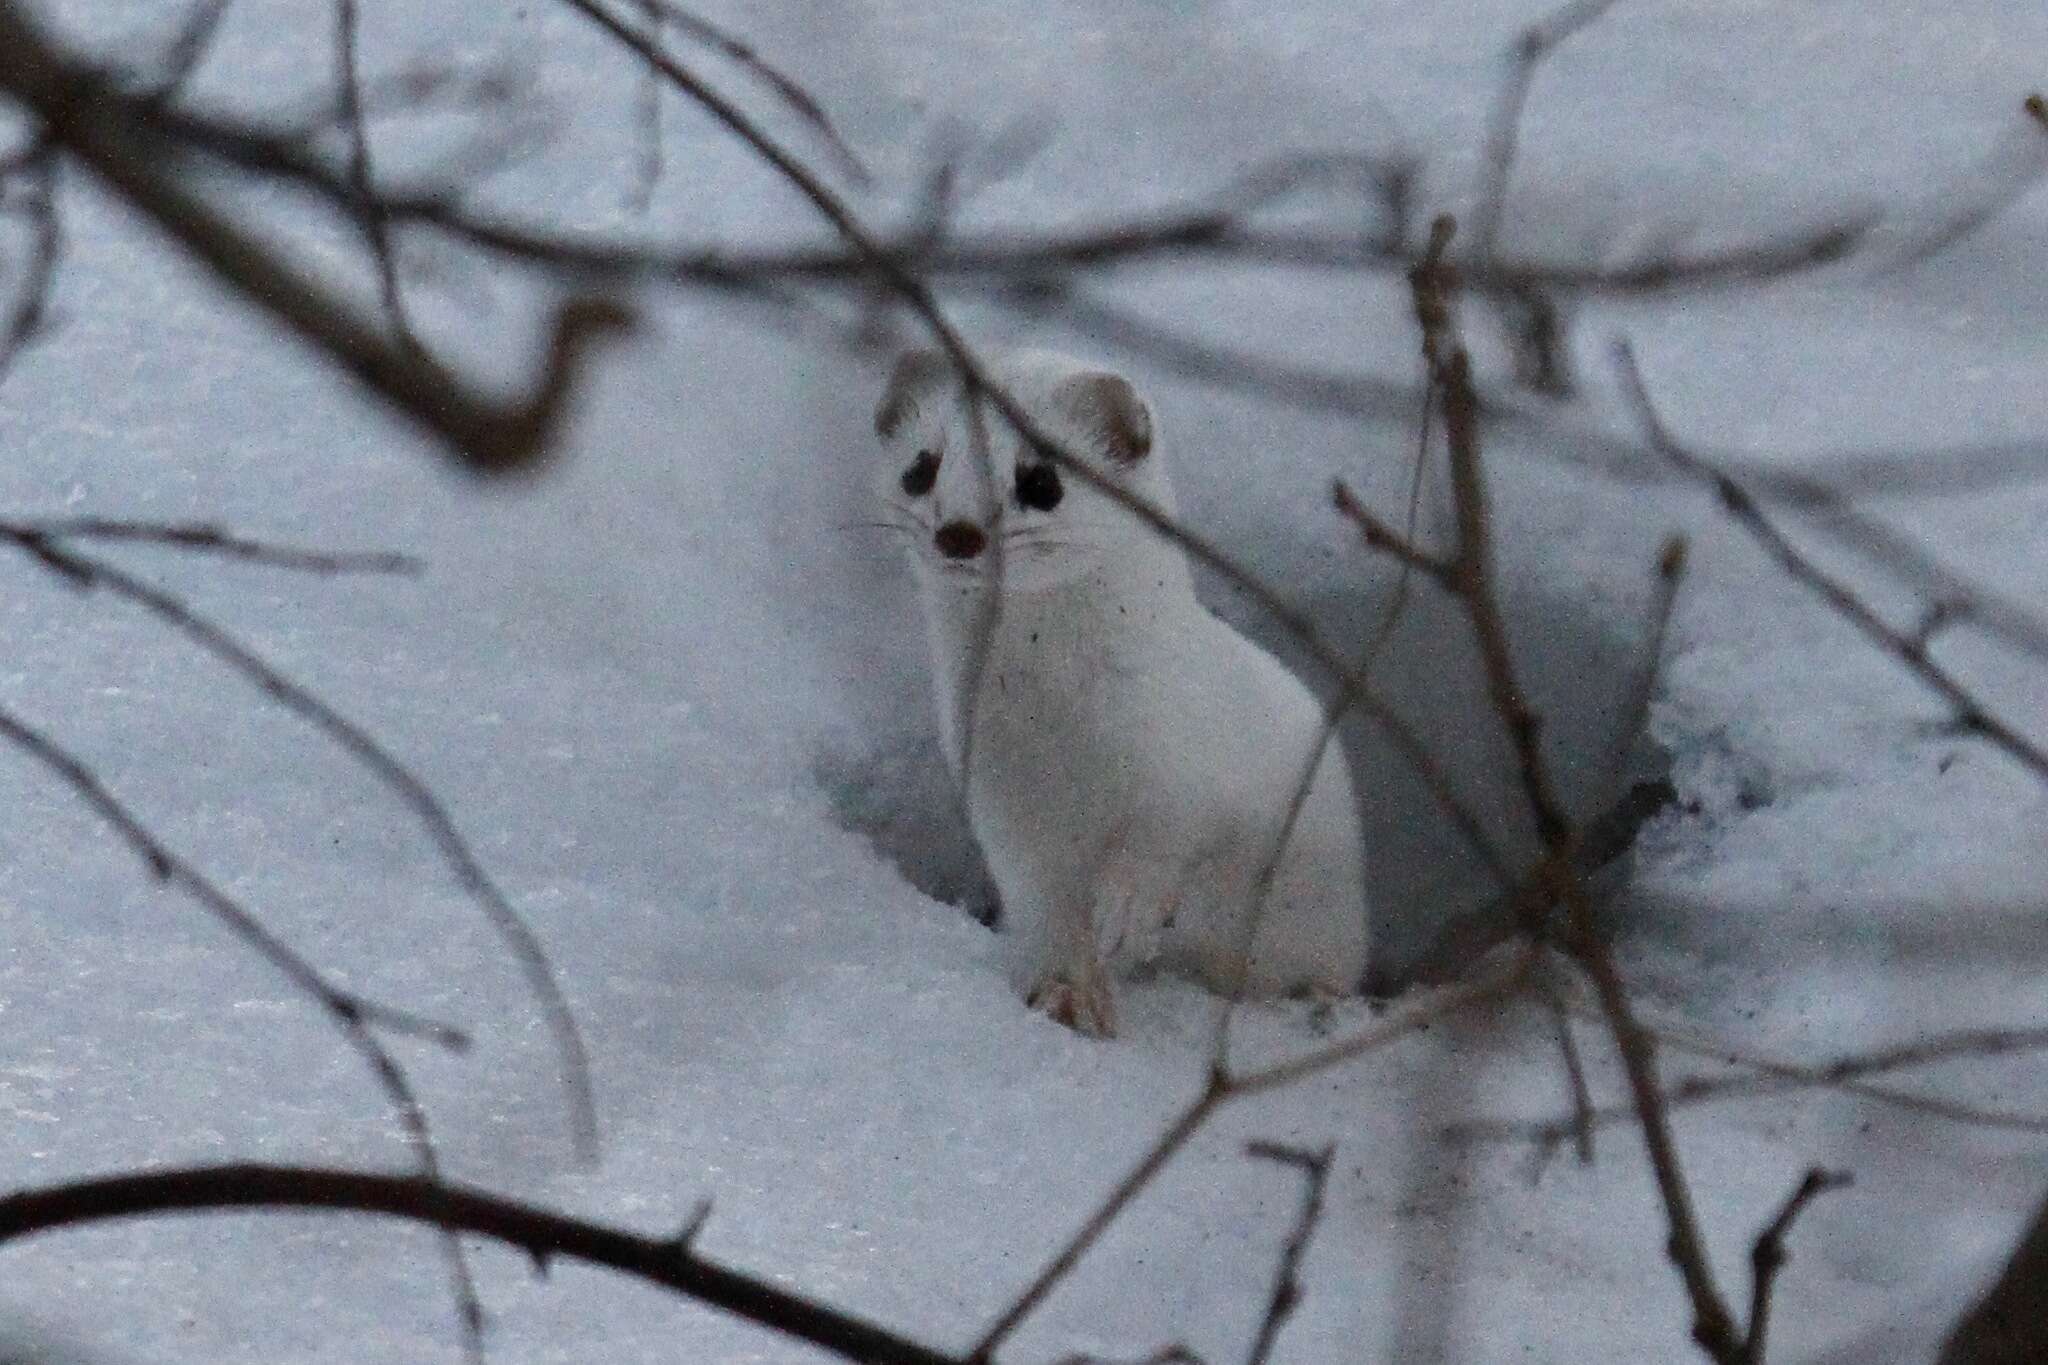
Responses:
[1038,487]
[922,474]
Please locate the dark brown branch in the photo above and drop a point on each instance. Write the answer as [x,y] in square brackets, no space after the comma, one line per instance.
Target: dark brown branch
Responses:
[119,139]
[1286,1295]
[1971,715]
[542,1234]
[1713,1326]
[1384,538]
[1552,883]
[482,889]
[1215,227]
[1768,1256]
[1470,566]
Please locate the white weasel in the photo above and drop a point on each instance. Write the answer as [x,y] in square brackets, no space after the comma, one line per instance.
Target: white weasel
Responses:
[1130,756]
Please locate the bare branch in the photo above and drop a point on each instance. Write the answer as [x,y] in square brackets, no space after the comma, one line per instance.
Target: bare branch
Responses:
[1163,1149]
[353,1015]
[1223,1087]
[1768,1256]
[119,138]
[1382,537]
[206,538]
[1772,1075]
[1970,713]
[370,215]
[542,1234]
[512,929]
[1286,1295]
[798,99]
[1582,1120]
[28,191]
[2013,165]
[188,49]
[1505,124]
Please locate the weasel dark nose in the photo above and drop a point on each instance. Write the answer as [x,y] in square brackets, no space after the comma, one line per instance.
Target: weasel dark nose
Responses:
[960,540]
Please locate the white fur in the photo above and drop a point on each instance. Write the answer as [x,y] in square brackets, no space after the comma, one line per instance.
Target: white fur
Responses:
[1131,755]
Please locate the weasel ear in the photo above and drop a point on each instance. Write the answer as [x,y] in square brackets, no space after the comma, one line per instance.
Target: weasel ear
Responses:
[917,373]
[1110,408]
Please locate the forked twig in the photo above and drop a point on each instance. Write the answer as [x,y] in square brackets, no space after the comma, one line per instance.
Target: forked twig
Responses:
[85,572]
[355,1016]
[1768,1256]
[1286,1295]
[1503,127]
[369,210]
[1970,714]
[1222,1088]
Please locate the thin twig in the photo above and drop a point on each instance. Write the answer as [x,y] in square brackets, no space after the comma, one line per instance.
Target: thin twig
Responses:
[1163,1149]
[369,211]
[1971,715]
[207,538]
[1769,1075]
[799,100]
[1768,1256]
[188,48]
[1503,128]
[28,185]
[2009,168]
[359,744]
[354,1016]
[647,123]
[1286,1296]
[1223,1087]
[1582,1122]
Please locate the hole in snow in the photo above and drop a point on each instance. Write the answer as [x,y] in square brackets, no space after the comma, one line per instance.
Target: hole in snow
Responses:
[1432,898]
[901,799]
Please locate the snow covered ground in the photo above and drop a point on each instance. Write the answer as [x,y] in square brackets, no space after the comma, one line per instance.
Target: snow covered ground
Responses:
[679,706]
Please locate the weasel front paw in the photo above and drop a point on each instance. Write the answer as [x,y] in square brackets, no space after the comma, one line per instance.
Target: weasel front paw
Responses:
[1087,1007]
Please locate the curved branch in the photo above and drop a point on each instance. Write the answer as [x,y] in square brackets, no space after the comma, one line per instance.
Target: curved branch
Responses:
[541,1233]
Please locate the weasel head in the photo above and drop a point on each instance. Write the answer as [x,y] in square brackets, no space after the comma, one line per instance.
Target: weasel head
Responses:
[980,507]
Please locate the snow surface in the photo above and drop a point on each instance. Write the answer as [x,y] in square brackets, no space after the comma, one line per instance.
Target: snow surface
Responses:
[679,706]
